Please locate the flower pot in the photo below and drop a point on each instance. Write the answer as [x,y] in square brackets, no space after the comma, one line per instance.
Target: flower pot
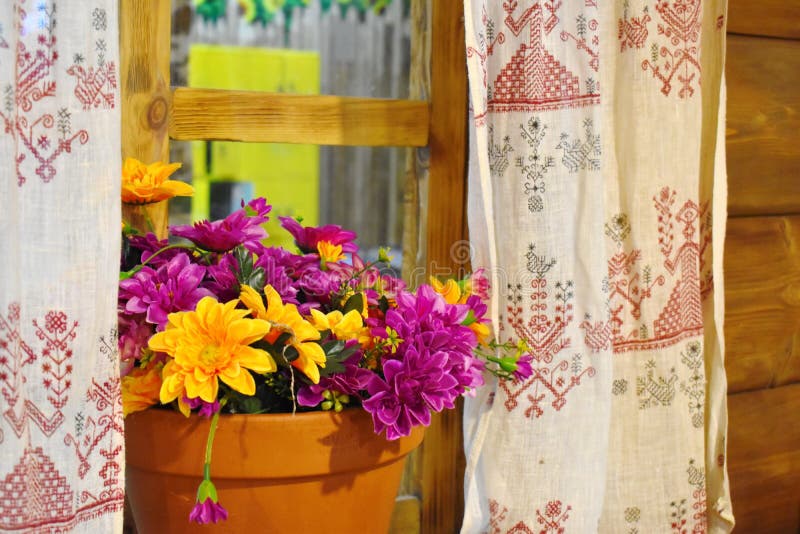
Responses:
[276,473]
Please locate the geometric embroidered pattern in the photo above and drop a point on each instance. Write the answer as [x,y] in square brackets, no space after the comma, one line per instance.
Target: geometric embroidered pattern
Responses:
[544,335]
[632,284]
[551,520]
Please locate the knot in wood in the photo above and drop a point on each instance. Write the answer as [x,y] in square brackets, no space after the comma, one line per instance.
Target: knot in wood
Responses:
[157,112]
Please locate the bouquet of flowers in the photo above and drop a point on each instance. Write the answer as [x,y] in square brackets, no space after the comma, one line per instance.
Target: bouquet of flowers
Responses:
[222,323]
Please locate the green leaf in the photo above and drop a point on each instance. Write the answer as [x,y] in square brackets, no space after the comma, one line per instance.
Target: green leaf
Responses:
[124,275]
[469,319]
[355,302]
[383,304]
[251,405]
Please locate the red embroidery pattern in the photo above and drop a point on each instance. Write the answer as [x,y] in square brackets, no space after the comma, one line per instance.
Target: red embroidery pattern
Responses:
[95,88]
[551,522]
[44,137]
[632,32]
[679,522]
[545,335]
[535,79]
[678,57]
[32,491]
[57,335]
[105,424]
[630,285]
[35,496]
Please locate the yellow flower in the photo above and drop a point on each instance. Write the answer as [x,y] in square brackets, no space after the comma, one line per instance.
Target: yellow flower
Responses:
[286,318]
[449,290]
[347,326]
[143,184]
[140,387]
[328,252]
[210,343]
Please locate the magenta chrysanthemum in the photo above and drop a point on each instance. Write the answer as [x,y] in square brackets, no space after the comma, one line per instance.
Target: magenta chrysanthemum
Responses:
[307,237]
[242,227]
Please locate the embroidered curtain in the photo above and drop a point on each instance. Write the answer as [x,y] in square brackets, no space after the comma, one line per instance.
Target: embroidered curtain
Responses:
[597,201]
[61,436]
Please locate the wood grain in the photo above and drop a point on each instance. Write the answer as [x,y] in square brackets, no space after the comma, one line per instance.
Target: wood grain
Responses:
[773,18]
[442,451]
[219,115]
[764,460]
[762,292]
[144,57]
[763,127]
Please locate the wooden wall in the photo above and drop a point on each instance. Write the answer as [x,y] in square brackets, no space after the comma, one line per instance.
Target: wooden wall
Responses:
[762,264]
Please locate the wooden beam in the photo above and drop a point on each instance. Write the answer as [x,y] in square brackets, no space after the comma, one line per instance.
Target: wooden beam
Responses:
[144,39]
[762,294]
[442,454]
[219,115]
[763,126]
[764,459]
[770,18]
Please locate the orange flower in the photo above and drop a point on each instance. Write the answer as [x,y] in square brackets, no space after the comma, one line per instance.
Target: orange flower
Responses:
[144,184]
[209,344]
[285,318]
[449,290]
[140,387]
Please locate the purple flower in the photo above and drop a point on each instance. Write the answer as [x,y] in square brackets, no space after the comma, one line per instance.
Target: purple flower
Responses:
[524,369]
[307,237]
[207,409]
[427,323]
[173,287]
[352,381]
[413,387]
[134,333]
[221,279]
[149,244]
[242,227]
[208,512]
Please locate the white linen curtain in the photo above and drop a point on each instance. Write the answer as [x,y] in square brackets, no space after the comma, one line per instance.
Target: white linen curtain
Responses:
[597,201]
[61,436]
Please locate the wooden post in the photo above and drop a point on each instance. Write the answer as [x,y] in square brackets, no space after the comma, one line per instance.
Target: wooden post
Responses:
[144,28]
[442,450]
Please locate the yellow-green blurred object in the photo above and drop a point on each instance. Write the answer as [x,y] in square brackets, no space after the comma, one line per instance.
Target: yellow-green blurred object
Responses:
[286,174]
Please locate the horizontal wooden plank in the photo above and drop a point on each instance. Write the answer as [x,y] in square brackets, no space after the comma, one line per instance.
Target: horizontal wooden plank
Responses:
[763,127]
[773,18]
[218,115]
[762,292]
[764,459]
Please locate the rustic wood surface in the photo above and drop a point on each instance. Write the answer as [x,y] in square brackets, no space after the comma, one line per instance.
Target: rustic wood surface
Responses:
[218,115]
[144,44]
[144,57]
[763,130]
[774,18]
[442,450]
[764,460]
[762,264]
[762,292]
[406,518]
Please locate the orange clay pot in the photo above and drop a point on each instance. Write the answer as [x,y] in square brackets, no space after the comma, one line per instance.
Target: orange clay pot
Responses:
[282,473]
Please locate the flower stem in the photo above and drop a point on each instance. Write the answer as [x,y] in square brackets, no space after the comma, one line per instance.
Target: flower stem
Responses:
[212,431]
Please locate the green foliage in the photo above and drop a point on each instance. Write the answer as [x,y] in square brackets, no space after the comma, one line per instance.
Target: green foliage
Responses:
[248,274]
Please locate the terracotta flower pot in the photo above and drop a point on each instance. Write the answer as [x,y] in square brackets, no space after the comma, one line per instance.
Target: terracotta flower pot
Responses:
[311,472]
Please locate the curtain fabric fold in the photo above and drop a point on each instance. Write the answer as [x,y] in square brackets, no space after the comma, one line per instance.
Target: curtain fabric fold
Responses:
[61,435]
[597,202]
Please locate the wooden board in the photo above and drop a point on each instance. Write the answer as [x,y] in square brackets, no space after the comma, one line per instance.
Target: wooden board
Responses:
[218,115]
[774,18]
[144,57]
[764,460]
[762,292]
[442,450]
[763,127]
